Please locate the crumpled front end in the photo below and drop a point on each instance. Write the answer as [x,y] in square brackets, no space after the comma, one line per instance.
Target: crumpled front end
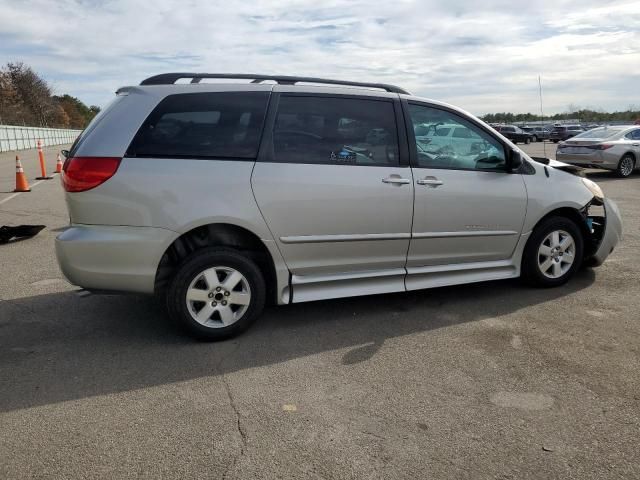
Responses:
[606,230]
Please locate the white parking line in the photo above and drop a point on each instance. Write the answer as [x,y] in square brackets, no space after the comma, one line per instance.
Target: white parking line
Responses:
[18,193]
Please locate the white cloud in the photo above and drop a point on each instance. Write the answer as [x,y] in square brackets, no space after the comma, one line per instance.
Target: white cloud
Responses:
[482,56]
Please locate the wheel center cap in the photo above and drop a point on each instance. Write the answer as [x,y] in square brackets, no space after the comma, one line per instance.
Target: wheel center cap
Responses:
[218,296]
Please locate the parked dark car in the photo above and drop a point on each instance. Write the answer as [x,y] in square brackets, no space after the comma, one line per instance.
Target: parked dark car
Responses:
[563,132]
[539,133]
[515,134]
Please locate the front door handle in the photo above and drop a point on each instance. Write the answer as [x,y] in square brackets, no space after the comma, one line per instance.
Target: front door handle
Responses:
[396,180]
[430,182]
[636,144]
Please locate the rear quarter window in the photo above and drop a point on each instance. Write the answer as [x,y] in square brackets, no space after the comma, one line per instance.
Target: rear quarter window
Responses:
[203,125]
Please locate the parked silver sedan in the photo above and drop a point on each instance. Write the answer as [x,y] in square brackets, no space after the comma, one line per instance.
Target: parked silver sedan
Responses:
[612,148]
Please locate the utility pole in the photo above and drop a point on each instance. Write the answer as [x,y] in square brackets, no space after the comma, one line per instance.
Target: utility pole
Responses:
[544,145]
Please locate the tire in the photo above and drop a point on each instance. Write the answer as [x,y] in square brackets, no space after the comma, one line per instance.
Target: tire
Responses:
[556,141]
[527,141]
[213,277]
[535,139]
[625,166]
[558,270]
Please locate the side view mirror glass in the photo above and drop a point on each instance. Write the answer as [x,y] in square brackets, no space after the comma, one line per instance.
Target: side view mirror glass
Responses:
[65,153]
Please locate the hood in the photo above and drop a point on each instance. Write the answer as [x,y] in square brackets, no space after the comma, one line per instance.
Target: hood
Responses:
[565,167]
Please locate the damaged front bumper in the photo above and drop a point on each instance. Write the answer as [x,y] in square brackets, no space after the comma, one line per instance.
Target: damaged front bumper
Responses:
[606,232]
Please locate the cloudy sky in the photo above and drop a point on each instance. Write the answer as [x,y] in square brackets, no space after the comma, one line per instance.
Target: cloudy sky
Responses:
[484,56]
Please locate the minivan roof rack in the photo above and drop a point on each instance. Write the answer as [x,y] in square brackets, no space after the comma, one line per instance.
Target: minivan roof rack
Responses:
[171,78]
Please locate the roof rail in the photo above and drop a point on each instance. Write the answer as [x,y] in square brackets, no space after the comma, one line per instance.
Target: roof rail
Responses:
[171,78]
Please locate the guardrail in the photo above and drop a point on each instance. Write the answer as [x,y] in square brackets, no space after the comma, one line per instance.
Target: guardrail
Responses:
[15,137]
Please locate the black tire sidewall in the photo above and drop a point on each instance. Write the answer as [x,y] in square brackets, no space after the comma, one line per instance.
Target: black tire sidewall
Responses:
[195,264]
[530,270]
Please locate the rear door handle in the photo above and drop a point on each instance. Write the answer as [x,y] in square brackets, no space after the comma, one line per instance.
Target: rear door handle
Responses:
[430,182]
[396,180]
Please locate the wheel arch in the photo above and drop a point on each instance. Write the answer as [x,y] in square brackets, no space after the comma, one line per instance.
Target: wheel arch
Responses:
[577,216]
[217,234]
[632,154]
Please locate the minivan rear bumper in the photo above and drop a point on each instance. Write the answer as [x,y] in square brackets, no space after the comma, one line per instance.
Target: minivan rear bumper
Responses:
[116,258]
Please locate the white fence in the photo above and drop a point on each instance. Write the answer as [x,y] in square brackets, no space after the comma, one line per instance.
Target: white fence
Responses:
[22,138]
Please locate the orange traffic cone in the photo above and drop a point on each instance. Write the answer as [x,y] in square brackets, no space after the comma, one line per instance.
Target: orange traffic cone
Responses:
[22,185]
[59,164]
[43,168]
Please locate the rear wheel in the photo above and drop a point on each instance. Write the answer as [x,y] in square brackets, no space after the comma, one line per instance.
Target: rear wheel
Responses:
[527,140]
[216,293]
[555,141]
[534,139]
[625,166]
[553,253]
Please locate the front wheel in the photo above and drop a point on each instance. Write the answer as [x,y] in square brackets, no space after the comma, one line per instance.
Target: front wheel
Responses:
[534,139]
[527,141]
[216,293]
[553,253]
[625,166]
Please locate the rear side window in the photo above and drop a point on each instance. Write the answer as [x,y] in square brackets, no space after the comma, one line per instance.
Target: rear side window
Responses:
[333,130]
[203,125]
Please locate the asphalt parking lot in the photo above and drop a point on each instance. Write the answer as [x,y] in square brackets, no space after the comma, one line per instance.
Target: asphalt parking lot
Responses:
[492,380]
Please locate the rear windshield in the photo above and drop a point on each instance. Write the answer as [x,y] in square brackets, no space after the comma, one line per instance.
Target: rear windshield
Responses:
[203,125]
[601,132]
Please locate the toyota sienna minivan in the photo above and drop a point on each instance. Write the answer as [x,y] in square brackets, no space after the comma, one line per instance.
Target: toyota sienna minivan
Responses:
[220,197]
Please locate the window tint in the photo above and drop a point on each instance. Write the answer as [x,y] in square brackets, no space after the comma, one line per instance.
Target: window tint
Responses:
[469,148]
[332,130]
[226,125]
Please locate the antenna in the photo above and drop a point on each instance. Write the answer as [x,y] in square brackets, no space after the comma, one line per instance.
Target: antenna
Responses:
[544,144]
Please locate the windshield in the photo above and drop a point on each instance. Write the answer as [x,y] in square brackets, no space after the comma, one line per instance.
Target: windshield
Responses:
[604,132]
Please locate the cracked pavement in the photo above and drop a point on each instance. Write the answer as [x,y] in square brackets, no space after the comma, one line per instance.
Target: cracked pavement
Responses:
[493,380]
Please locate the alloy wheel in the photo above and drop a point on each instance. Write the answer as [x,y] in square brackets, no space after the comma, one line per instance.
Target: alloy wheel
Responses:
[556,254]
[626,166]
[218,297]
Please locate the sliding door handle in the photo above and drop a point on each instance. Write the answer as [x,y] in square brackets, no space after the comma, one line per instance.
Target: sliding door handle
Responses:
[396,180]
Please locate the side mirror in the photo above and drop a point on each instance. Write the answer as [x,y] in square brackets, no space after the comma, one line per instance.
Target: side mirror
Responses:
[515,162]
[65,153]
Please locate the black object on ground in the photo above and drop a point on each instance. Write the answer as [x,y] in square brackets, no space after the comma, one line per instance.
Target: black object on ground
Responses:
[19,231]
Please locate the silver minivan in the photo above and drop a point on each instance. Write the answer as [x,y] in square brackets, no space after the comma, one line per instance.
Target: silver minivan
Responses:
[220,197]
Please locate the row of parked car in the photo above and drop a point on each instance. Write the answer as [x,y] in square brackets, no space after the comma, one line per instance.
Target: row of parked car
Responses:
[528,134]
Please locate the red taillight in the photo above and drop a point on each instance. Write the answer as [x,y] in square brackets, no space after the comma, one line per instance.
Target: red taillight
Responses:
[601,146]
[85,173]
